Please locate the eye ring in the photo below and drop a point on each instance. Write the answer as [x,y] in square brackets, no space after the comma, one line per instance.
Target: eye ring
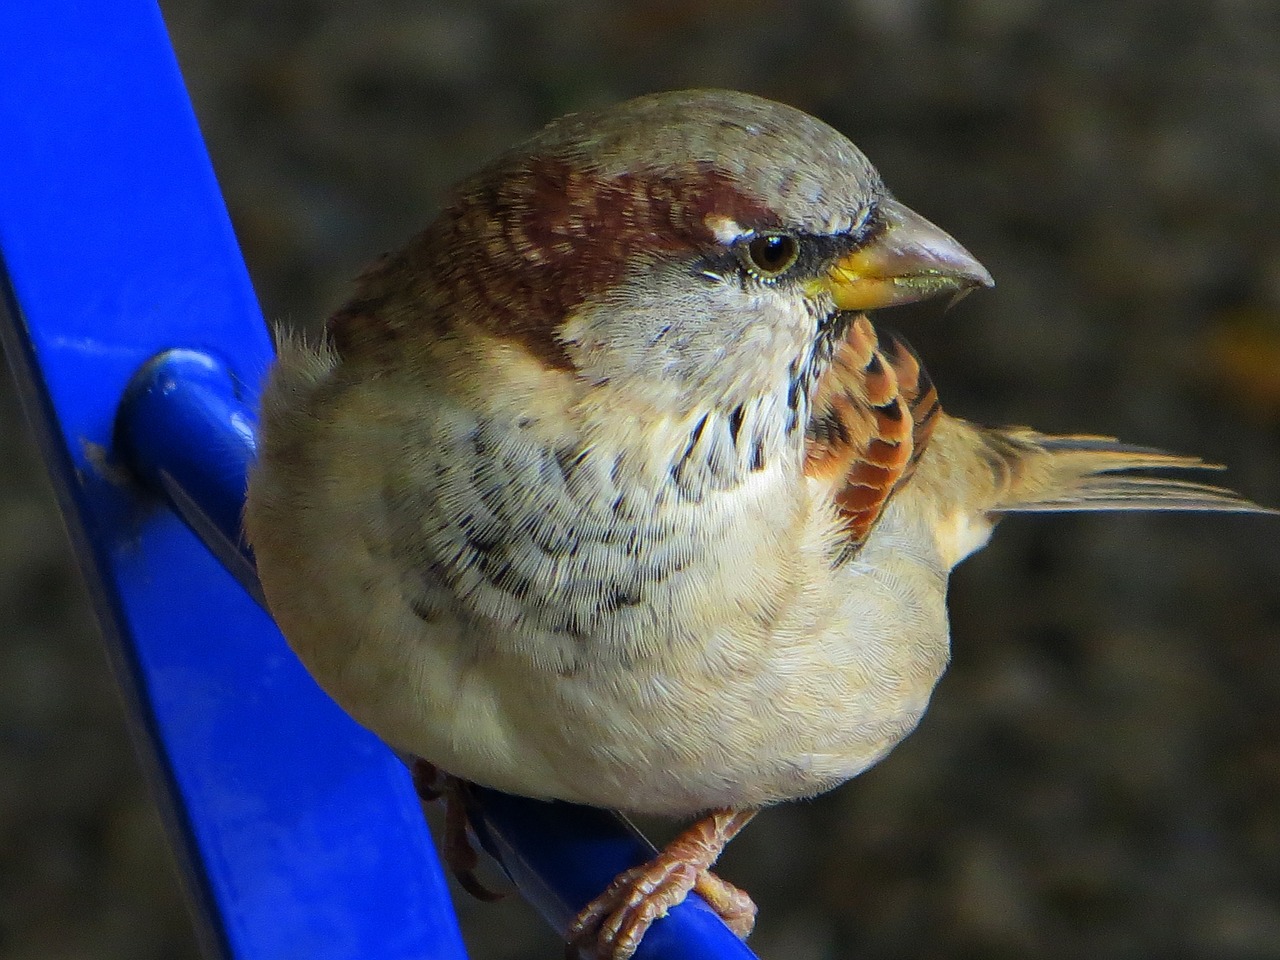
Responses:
[770,255]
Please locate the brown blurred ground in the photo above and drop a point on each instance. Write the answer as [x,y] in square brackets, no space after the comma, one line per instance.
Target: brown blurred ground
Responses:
[1099,775]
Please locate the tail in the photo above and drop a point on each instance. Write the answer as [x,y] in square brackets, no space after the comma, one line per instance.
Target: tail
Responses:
[1038,472]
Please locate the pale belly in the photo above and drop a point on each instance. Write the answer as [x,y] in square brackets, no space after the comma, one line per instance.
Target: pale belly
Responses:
[691,650]
[685,701]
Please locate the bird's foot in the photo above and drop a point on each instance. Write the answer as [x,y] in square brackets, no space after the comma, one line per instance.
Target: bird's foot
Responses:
[612,925]
[735,906]
[429,781]
[459,847]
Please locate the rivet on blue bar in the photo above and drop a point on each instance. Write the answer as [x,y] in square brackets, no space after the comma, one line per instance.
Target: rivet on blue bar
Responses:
[138,346]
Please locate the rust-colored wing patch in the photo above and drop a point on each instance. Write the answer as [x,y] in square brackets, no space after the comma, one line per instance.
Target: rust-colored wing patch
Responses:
[872,416]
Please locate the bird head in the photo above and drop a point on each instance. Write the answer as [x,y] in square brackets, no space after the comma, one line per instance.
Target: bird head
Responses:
[678,247]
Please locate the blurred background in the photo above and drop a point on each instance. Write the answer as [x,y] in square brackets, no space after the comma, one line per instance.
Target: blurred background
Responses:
[1099,775]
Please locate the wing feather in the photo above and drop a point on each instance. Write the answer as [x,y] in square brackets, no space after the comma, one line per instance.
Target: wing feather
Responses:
[873,412]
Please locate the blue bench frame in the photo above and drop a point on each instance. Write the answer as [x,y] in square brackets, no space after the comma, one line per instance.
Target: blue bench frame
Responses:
[137,344]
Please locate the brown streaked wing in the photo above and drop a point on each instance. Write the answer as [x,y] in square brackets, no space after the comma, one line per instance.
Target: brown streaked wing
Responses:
[873,412]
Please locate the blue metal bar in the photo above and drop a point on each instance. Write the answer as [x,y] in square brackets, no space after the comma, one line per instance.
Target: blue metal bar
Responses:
[123,286]
[188,431]
[300,833]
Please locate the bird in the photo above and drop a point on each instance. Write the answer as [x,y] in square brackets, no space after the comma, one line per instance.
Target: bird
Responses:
[606,488]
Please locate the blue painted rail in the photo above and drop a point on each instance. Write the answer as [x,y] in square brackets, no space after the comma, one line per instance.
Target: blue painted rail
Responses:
[137,344]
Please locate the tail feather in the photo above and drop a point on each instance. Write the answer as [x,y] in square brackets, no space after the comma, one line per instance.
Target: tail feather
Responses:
[1036,472]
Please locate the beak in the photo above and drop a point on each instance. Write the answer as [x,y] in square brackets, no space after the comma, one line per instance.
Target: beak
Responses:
[908,259]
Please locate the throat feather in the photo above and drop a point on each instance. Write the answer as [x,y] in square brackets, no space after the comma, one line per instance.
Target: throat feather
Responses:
[726,444]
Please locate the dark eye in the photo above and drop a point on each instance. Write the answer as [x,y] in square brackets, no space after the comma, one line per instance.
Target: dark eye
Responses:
[772,255]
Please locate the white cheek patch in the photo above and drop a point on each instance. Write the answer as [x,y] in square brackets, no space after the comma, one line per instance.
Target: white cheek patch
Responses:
[725,229]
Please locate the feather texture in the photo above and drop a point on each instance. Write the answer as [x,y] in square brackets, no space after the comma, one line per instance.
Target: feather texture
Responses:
[1039,472]
[873,413]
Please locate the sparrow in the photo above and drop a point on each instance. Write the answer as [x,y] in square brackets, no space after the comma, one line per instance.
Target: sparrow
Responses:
[606,489]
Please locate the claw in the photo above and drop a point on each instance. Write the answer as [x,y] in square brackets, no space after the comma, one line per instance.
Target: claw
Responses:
[612,925]
[458,847]
[735,906]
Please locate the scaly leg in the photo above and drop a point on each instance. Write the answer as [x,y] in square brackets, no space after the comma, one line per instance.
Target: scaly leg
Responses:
[458,851]
[611,926]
